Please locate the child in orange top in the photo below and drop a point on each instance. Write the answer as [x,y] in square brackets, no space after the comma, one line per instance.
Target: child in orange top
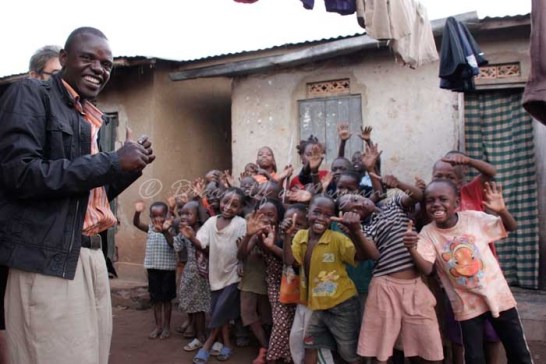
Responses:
[456,242]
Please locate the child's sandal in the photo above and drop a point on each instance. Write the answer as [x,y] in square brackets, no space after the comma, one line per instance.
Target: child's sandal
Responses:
[193,345]
[216,348]
[202,357]
[224,354]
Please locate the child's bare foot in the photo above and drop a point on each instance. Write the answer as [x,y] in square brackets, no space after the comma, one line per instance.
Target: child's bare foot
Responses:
[154,334]
[189,334]
[182,328]
[165,334]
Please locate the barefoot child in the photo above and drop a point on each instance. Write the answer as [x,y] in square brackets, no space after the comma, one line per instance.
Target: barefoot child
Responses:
[220,234]
[194,289]
[456,243]
[283,314]
[160,261]
[255,306]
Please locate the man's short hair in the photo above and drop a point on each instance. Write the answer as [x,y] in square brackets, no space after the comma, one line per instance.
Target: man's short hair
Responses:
[83,30]
[42,56]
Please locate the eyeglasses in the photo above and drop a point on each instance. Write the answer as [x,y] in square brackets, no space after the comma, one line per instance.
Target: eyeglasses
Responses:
[49,73]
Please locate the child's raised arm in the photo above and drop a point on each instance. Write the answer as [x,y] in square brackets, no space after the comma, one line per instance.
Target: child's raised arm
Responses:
[369,158]
[366,135]
[410,242]
[288,229]
[285,174]
[495,202]
[413,193]
[344,134]
[165,230]
[365,248]
[487,171]
[254,226]
[171,203]
[268,241]
[139,207]
[188,232]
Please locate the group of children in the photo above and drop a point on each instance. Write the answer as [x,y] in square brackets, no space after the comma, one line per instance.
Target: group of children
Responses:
[366,248]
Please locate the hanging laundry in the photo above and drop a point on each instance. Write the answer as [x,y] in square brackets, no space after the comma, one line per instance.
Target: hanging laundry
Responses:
[388,19]
[405,23]
[460,57]
[342,7]
[534,96]
[418,47]
[360,18]
[308,4]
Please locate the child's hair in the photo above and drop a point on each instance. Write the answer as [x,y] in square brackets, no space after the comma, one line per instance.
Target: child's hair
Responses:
[451,152]
[214,189]
[347,162]
[251,166]
[351,174]
[278,206]
[212,175]
[297,206]
[201,212]
[304,143]
[161,204]
[235,190]
[270,189]
[322,196]
[448,182]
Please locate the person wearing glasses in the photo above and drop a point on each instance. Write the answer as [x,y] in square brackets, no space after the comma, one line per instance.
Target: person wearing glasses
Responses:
[44,63]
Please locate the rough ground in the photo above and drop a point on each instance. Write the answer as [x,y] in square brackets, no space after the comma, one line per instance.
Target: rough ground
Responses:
[130,343]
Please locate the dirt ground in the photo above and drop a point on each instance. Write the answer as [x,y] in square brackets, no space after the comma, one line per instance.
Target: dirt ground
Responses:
[130,343]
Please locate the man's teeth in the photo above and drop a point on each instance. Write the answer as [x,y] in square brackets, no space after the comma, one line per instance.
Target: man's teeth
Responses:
[92,80]
[439,213]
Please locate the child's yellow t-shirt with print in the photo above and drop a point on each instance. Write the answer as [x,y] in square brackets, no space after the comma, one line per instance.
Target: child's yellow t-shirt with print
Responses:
[329,284]
[470,273]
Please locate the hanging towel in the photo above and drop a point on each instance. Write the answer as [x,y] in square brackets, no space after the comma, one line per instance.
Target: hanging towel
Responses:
[417,47]
[534,96]
[388,19]
[460,57]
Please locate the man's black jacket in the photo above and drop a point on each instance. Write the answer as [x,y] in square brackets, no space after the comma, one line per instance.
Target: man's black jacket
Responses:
[46,173]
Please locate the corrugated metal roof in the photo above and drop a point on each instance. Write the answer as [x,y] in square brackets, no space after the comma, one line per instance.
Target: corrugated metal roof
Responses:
[323,40]
[128,61]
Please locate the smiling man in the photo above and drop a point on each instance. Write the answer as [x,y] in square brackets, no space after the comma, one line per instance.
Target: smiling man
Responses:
[55,188]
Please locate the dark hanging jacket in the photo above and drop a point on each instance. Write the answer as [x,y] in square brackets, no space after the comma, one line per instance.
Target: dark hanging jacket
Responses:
[342,7]
[460,57]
